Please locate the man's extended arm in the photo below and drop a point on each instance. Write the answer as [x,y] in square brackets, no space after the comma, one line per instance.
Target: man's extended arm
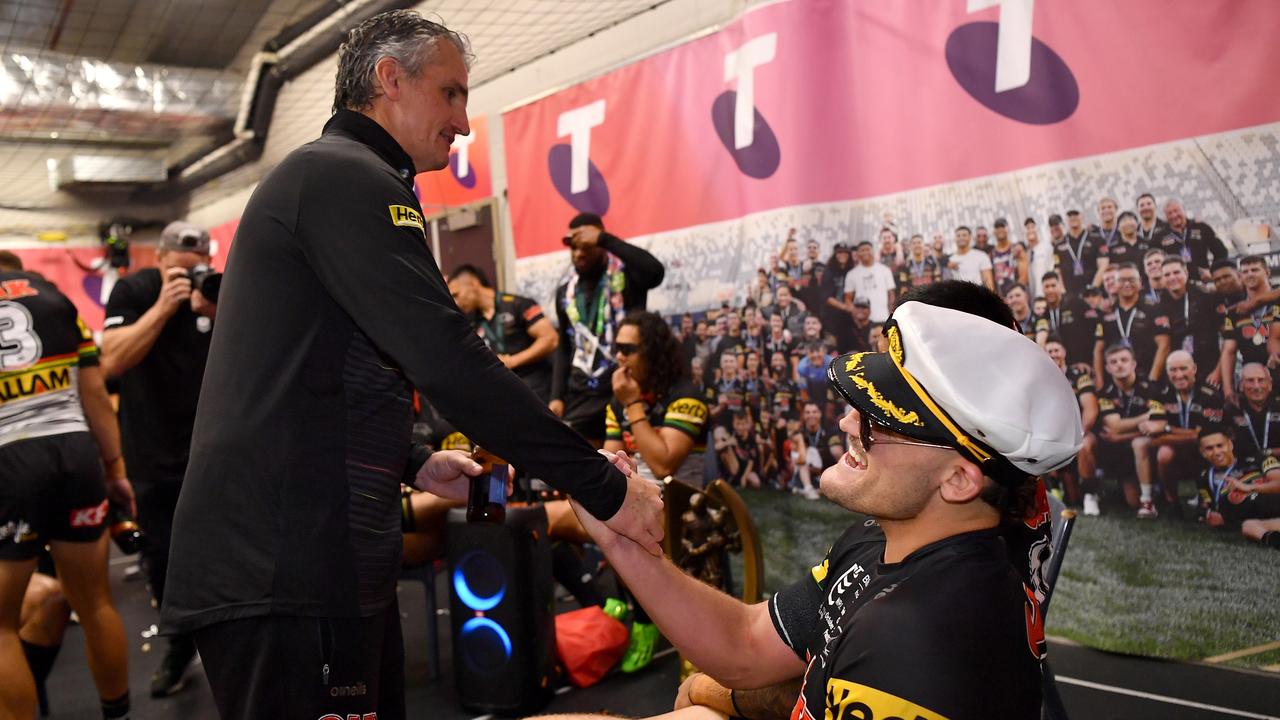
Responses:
[731,641]
[640,265]
[128,336]
[774,702]
[413,320]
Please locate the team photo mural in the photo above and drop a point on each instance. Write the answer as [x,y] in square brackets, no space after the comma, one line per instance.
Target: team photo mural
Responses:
[774,164]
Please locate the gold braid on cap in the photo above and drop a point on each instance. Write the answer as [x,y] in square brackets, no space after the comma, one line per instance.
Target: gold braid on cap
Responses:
[854,365]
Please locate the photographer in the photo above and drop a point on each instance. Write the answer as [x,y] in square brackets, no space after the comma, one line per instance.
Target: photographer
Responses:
[156,339]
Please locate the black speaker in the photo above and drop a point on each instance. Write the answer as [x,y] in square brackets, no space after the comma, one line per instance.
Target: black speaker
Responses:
[501,603]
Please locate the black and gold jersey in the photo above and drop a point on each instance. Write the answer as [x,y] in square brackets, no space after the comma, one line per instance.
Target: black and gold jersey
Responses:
[683,408]
[948,632]
[43,344]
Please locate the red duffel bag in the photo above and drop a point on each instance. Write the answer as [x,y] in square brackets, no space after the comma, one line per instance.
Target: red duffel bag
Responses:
[589,644]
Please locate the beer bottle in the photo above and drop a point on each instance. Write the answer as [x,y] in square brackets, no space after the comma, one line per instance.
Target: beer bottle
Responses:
[124,530]
[487,499]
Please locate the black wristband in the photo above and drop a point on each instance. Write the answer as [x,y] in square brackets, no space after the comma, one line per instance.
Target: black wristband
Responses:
[636,402]
[733,700]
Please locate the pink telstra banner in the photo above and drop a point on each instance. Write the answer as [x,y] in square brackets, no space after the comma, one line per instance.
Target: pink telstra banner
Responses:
[813,101]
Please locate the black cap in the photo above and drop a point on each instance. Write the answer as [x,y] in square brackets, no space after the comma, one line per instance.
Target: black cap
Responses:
[1072,212]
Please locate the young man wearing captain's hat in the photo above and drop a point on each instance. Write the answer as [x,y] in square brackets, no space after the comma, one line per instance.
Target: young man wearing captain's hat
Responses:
[920,610]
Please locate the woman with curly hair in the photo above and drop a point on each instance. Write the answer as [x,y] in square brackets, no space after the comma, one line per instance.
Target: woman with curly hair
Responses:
[656,413]
[658,416]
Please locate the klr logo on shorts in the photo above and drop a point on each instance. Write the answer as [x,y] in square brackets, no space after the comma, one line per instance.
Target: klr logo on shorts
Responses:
[575,177]
[350,716]
[89,517]
[742,129]
[1010,72]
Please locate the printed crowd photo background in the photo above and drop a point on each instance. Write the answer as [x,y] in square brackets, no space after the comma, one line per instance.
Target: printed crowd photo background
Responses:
[835,117]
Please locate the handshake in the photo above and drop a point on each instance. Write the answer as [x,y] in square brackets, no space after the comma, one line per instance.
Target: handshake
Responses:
[639,522]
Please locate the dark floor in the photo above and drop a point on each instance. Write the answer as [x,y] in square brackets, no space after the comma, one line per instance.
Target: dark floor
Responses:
[1094,685]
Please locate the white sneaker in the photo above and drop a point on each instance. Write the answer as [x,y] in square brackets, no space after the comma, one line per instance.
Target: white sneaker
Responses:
[810,493]
[1091,505]
[1147,510]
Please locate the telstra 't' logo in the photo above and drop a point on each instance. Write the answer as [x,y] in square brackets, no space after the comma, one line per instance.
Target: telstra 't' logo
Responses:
[742,129]
[1007,70]
[575,177]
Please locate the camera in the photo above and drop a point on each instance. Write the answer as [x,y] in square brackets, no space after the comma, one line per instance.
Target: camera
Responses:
[206,280]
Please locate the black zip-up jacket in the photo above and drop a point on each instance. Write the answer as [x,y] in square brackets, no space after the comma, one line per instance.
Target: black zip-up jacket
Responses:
[332,310]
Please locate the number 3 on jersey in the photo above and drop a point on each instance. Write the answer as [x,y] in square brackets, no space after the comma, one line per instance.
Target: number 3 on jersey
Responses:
[19,344]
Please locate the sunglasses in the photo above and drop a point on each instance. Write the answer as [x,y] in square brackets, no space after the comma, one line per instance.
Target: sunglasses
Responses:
[866,423]
[626,348]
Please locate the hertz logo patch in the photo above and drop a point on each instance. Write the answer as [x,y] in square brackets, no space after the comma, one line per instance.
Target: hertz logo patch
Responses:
[852,701]
[405,216]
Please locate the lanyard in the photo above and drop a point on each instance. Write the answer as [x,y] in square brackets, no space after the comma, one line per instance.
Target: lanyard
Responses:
[1077,253]
[494,333]
[574,307]
[1128,401]
[917,268]
[1215,484]
[1184,413]
[1053,318]
[1182,238]
[1126,328]
[1110,234]
[814,439]
[1147,235]
[1257,316]
[1266,430]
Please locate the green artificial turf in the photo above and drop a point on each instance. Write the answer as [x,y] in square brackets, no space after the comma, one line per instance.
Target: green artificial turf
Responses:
[1162,588]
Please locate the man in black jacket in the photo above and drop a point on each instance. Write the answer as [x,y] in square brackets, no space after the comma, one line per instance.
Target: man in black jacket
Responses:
[286,543]
[610,278]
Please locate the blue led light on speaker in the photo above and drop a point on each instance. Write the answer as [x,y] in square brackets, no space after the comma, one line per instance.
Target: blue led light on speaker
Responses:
[468,596]
[476,624]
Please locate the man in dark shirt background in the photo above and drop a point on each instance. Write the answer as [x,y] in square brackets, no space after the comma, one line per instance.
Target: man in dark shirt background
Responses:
[1079,256]
[1150,227]
[512,326]
[1135,323]
[156,340]
[610,278]
[1129,247]
[1193,319]
[1200,245]
[1070,318]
